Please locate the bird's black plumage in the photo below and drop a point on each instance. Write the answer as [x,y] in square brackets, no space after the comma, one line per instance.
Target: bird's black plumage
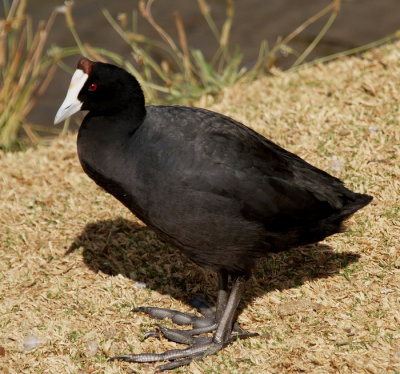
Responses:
[217,190]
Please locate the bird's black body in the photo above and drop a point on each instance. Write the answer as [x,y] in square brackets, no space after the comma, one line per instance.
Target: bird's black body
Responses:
[220,192]
[212,187]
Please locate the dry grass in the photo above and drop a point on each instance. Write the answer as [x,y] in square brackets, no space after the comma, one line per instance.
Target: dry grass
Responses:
[72,258]
[26,69]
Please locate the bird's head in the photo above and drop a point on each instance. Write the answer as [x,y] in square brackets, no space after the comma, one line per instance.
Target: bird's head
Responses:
[101,88]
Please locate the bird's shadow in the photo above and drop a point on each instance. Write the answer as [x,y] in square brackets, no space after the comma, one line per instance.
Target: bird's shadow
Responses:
[123,247]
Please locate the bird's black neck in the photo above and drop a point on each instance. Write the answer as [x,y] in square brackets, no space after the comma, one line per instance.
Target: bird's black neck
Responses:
[104,137]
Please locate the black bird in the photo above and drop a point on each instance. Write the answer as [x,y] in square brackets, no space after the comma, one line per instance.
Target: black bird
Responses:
[212,187]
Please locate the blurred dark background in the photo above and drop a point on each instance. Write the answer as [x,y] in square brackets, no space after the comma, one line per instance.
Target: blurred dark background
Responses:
[359,22]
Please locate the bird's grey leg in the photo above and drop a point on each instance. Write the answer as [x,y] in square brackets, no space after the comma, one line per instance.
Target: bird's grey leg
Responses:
[223,294]
[222,300]
[201,346]
[223,334]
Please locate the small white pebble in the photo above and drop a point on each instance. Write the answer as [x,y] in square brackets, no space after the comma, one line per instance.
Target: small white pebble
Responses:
[92,348]
[336,164]
[30,343]
[387,290]
[139,285]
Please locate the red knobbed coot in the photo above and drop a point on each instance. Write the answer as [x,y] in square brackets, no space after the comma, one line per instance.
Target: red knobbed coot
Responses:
[220,192]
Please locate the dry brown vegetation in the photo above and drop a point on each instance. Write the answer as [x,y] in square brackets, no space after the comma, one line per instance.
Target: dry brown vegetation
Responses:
[73,260]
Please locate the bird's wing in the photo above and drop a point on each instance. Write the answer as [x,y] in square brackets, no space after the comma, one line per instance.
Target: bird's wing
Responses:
[235,162]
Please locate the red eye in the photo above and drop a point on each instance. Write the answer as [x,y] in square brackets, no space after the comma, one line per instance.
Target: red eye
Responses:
[92,87]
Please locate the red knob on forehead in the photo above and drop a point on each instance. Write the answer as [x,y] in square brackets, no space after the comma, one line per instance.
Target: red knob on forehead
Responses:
[86,65]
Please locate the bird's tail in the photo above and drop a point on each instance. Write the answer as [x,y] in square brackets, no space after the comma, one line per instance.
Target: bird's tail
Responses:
[357,202]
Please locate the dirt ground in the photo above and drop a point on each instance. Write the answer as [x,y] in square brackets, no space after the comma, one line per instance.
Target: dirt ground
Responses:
[74,261]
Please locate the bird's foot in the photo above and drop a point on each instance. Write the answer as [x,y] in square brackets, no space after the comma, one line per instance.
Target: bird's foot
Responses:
[198,346]
[198,349]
